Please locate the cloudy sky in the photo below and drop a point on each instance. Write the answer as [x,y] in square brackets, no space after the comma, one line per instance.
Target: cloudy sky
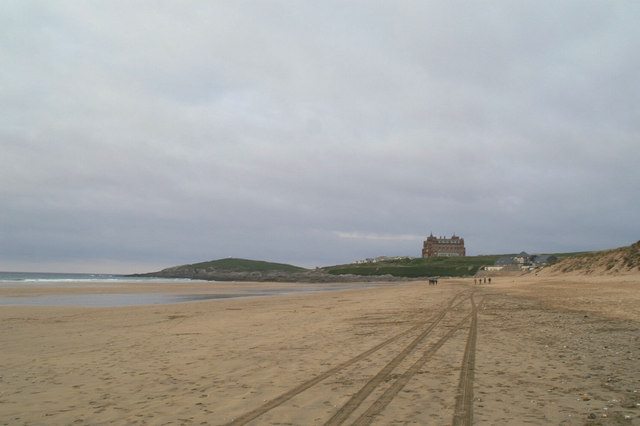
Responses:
[137,135]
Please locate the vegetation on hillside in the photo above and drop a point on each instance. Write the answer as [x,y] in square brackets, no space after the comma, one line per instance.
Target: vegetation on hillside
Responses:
[562,256]
[622,259]
[244,265]
[417,267]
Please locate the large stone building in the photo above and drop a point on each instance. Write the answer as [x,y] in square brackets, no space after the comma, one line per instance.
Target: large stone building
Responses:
[450,247]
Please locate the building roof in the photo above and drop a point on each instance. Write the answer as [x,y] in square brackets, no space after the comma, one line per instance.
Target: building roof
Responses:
[505,261]
[545,258]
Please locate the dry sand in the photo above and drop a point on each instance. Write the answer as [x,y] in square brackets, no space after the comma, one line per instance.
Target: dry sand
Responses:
[523,350]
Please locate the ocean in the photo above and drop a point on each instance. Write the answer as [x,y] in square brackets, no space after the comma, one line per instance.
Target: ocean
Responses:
[47,277]
[17,280]
[44,280]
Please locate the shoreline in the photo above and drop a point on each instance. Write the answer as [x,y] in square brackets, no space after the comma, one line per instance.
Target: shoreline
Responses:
[184,287]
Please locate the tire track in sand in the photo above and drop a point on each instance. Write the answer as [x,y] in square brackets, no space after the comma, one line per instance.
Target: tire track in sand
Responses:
[269,405]
[356,400]
[381,403]
[463,414]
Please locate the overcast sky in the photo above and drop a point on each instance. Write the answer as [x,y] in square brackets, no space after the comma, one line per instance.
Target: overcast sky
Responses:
[137,135]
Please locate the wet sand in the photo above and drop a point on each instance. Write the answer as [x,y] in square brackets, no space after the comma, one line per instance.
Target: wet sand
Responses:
[546,350]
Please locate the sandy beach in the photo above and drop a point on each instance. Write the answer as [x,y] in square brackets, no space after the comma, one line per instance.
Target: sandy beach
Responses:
[523,350]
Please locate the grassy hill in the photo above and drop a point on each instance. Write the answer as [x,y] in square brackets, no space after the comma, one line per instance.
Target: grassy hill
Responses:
[432,267]
[244,265]
[611,261]
[411,268]
[232,269]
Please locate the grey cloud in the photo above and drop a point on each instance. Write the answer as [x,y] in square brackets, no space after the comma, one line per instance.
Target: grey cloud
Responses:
[163,133]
